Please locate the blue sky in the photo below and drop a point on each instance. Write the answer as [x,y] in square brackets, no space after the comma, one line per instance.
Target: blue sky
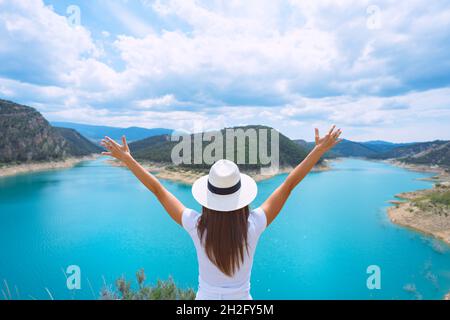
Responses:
[378,69]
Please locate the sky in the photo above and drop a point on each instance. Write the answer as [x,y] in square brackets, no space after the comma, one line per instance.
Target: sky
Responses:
[380,70]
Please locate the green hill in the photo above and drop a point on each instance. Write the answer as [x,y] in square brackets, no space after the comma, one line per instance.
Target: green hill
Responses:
[77,144]
[383,146]
[425,153]
[436,154]
[159,148]
[411,150]
[347,148]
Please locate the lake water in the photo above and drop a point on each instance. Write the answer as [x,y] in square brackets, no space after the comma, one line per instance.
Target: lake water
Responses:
[332,228]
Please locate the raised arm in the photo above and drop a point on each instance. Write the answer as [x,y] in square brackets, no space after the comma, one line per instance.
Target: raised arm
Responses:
[275,202]
[121,152]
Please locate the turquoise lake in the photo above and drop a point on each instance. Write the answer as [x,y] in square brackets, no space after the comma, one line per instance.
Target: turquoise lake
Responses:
[332,228]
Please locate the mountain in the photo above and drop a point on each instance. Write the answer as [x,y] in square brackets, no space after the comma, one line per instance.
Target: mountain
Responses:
[383,146]
[437,154]
[159,149]
[27,136]
[430,153]
[427,153]
[97,133]
[348,148]
[305,144]
[410,150]
[155,149]
[77,145]
[345,148]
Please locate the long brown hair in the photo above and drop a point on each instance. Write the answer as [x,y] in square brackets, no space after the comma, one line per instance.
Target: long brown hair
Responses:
[224,237]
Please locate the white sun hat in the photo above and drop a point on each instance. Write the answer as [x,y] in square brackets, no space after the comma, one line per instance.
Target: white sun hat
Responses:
[225,188]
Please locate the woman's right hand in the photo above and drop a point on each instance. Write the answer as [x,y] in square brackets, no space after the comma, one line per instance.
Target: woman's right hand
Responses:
[172,205]
[120,152]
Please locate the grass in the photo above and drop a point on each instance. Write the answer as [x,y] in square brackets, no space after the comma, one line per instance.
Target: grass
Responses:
[436,201]
[441,198]
[123,290]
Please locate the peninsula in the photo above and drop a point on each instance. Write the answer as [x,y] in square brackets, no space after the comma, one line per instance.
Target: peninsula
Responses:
[426,211]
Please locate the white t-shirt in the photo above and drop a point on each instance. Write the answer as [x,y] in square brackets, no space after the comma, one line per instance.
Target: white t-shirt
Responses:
[211,279]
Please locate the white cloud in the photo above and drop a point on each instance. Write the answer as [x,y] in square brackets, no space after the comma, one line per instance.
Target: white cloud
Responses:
[282,63]
[164,101]
[39,44]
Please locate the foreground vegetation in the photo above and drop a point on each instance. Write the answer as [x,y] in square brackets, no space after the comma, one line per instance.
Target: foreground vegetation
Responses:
[162,290]
[427,211]
[436,201]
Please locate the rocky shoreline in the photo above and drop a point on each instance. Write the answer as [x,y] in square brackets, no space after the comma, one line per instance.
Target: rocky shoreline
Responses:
[441,174]
[415,210]
[7,170]
[424,211]
[188,176]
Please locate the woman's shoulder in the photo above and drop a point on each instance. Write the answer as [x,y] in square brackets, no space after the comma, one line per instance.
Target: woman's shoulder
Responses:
[258,218]
[189,219]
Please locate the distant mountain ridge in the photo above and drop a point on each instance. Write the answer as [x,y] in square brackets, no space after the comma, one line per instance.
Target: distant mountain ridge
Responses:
[427,153]
[97,133]
[26,136]
[410,150]
[347,148]
[383,146]
[437,155]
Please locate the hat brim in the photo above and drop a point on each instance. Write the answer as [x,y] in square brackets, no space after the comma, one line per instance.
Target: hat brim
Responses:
[241,198]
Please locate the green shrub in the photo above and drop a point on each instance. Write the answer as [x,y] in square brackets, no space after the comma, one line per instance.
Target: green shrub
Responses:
[163,290]
[441,198]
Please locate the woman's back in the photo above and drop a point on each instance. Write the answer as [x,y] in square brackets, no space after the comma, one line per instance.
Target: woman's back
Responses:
[226,229]
[213,283]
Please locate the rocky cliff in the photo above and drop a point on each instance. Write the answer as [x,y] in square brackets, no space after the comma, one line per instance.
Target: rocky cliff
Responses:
[26,136]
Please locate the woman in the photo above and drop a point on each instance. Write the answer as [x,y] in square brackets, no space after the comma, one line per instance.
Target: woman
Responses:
[225,235]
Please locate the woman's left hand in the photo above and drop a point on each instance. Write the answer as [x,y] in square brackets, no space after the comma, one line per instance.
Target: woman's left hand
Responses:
[328,141]
[120,152]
